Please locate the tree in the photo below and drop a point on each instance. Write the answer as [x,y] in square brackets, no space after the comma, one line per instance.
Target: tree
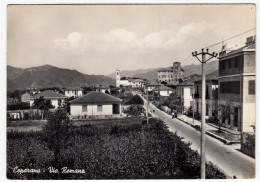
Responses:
[173,102]
[223,112]
[107,92]
[114,91]
[55,135]
[136,100]
[42,104]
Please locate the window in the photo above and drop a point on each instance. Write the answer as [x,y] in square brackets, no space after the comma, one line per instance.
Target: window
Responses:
[99,108]
[232,87]
[229,64]
[84,108]
[235,63]
[222,65]
[251,87]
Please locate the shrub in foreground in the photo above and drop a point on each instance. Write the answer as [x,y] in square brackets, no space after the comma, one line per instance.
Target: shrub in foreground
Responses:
[111,150]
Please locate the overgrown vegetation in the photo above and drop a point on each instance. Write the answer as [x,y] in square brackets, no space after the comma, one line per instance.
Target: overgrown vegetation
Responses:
[136,100]
[19,106]
[109,149]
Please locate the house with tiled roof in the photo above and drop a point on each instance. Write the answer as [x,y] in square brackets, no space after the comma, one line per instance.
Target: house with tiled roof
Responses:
[74,92]
[55,98]
[164,90]
[153,86]
[96,104]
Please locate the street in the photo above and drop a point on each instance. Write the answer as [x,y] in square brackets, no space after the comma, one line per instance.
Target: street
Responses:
[225,157]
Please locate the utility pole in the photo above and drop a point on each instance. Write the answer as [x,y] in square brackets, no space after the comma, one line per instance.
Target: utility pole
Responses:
[147,105]
[193,102]
[203,108]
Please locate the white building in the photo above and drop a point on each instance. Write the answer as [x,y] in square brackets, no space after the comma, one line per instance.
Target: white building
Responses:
[165,91]
[74,92]
[185,91]
[137,82]
[124,81]
[96,104]
[55,98]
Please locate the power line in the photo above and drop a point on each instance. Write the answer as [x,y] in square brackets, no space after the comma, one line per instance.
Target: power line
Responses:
[185,60]
[231,38]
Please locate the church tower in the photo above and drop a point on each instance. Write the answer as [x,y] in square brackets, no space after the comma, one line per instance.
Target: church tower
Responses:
[117,78]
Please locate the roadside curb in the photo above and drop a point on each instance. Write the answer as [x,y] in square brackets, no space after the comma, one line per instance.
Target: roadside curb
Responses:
[228,142]
[197,127]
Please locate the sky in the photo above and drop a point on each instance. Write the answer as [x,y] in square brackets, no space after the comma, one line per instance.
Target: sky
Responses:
[98,39]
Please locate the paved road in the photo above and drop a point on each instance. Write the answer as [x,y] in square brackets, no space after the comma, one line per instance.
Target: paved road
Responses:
[226,157]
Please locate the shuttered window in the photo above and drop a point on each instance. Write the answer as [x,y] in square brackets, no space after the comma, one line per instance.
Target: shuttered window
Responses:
[99,108]
[84,108]
[251,87]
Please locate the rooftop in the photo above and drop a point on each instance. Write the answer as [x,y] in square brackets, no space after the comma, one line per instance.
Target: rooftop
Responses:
[164,88]
[73,88]
[96,97]
[48,94]
[154,84]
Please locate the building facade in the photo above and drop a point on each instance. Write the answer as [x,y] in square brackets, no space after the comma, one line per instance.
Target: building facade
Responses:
[185,91]
[237,85]
[171,75]
[96,104]
[74,92]
[211,95]
[164,91]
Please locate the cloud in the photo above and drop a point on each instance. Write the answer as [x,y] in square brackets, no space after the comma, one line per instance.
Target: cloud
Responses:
[117,40]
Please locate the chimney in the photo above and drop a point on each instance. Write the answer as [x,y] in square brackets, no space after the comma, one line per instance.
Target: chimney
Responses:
[250,40]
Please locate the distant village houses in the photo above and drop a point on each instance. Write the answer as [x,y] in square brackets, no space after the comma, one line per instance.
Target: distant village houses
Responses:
[56,99]
[128,81]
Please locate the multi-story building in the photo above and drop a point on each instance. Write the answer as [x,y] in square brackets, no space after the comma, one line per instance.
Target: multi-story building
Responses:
[237,85]
[185,91]
[211,94]
[171,75]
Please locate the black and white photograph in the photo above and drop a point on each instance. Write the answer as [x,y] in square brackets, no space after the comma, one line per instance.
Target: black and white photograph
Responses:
[130,91]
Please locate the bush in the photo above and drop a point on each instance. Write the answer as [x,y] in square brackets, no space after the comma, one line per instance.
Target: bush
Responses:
[136,99]
[120,149]
[19,106]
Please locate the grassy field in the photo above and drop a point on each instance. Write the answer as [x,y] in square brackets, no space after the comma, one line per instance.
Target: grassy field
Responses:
[108,149]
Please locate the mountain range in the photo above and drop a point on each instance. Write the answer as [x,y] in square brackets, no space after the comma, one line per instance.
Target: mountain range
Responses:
[47,76]
[151,73]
